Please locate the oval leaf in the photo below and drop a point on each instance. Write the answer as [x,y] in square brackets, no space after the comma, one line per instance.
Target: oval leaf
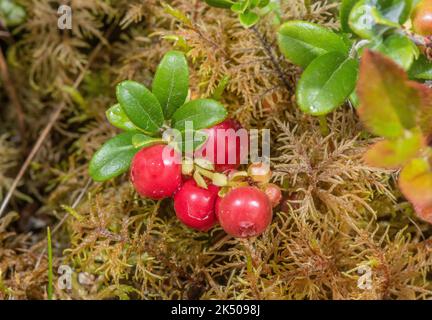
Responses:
[118,118]
[171,82]
[301,42]
[326,83]
[421,69]
[370,18]
[202,113]
[113,158]
[344,11]
[388,101]
[248,18]
[399,48]
[140,140]
[140,105]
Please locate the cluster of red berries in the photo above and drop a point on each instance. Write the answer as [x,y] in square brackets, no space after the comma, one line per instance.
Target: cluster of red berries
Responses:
[242,204]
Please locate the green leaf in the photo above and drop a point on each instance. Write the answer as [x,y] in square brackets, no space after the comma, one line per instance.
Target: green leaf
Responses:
[171,82]
[399,48]
[140,140]
[361,20]
[248,18]
[113,158]
[354,99]
[421,69]
[301,42]
[344,11]
[203,113]
[219,90]
[263,3]
[394,153]
[326,83]
[370,18]
[240,6]
[140,105]
[388,101]
[190,138]
[415,182]
[225,4]
[118,118]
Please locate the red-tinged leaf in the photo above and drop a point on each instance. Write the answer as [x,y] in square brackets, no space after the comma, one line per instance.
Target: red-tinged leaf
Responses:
[388,100]
[424,118]
[415,182]
[392,154]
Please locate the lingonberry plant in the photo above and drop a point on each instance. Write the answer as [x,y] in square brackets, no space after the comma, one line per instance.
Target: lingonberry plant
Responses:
[158,163]
[400,110]
[145,115]
[330,58]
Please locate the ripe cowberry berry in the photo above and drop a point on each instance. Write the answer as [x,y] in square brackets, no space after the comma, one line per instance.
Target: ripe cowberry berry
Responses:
[422,18]
[156,173]
[223,136]
[274,194]
[194,206]
[244,212]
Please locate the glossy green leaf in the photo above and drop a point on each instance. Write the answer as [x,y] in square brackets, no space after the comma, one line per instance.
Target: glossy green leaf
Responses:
[171,82]
[326,83]
[421,69]
[388,101]
[371,18]
[225,4]
[248,18]
[415,182]
[394,153]
[118,118]
[344,11]
[202,113]
[361,19]
[399,48]
[113,158]
[301,42]
[140,140]
[140,105]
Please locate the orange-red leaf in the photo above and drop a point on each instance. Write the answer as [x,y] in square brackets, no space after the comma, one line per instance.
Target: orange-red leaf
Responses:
[415,182]
[394,153]
[388,100]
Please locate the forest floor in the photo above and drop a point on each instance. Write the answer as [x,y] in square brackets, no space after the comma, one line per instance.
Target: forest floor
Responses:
[340,221]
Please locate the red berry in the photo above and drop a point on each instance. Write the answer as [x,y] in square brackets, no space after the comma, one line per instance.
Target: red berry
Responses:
[244,212]
[156,173]
[194,206]
[234,146]
[422,18]
[274,194]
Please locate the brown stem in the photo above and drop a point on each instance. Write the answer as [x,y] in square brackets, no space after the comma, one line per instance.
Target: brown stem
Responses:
[269,51]
[12,94]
